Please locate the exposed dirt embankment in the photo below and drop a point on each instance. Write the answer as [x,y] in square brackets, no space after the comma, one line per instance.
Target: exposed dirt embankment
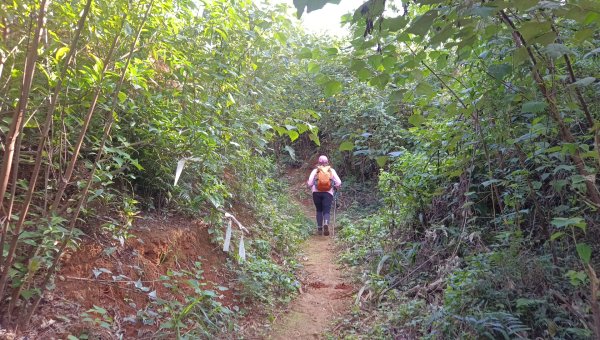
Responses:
[125,280]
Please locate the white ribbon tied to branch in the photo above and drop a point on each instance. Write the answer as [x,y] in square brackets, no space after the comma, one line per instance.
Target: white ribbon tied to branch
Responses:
[181,164]
[228,233]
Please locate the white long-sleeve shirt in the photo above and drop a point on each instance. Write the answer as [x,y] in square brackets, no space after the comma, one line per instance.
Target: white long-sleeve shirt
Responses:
[337,182]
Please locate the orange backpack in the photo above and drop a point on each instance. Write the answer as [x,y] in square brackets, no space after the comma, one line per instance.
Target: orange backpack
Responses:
[323,181]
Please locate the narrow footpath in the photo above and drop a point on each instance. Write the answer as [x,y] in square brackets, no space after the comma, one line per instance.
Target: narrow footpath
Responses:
[325,294]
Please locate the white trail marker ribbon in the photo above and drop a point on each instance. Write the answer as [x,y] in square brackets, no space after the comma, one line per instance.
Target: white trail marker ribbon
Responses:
[228,233]
[227,237]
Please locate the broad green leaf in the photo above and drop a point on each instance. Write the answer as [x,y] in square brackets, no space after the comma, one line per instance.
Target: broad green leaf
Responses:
[484,11]
[381,160]
[424,89]
[416,119]
[533,107]
[556,235]
[567,149]
[28,293]
[395,24]
[305,53]
[397,96]
[293,135]
[314,137]
[363,74]
[585,81]
[443,35]
[523,5]
[592,52]
[380,81]
[346,146]
[388,62]
[544,39]
[290,151]
[585,252]
[280,37]
[500,71]
[557,50]
[122,97]
[357,65]
[97,309]
[314,67]
[577,278]
[321,79]
[532,29]
[422,25]
[561,222]
[520,55]
[34,264]
[375,60]
[333,87]
[583,35]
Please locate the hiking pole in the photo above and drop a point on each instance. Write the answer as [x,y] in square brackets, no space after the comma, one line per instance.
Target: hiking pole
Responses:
[335,194]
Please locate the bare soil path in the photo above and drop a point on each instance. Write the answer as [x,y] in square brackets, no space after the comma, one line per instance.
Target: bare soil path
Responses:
[326,295]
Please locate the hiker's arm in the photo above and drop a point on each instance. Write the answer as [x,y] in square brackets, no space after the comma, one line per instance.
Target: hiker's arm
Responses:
[337,182]
[311,179]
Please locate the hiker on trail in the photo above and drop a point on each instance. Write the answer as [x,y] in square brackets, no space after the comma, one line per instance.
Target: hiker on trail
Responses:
[323,180]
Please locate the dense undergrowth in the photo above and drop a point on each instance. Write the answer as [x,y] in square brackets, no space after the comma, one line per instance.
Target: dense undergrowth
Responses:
[103,104]
[476,122]
[479,121]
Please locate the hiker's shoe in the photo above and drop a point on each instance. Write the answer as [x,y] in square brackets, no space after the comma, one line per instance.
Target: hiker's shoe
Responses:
[320,231]
[326,230]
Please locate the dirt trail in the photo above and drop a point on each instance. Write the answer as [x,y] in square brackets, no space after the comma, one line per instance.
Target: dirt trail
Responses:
[325,294]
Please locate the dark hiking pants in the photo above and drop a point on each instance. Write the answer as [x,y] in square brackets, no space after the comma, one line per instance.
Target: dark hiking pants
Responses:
[323,205]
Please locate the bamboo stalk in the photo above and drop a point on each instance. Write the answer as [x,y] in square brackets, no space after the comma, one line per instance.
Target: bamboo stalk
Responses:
[17,126]
[17,121]
[107,128]
[39,155]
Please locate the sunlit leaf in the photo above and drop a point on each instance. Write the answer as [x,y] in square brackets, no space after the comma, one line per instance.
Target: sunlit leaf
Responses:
[381,160]
[333,87]
[61,52]
[314,67]
[416,119]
